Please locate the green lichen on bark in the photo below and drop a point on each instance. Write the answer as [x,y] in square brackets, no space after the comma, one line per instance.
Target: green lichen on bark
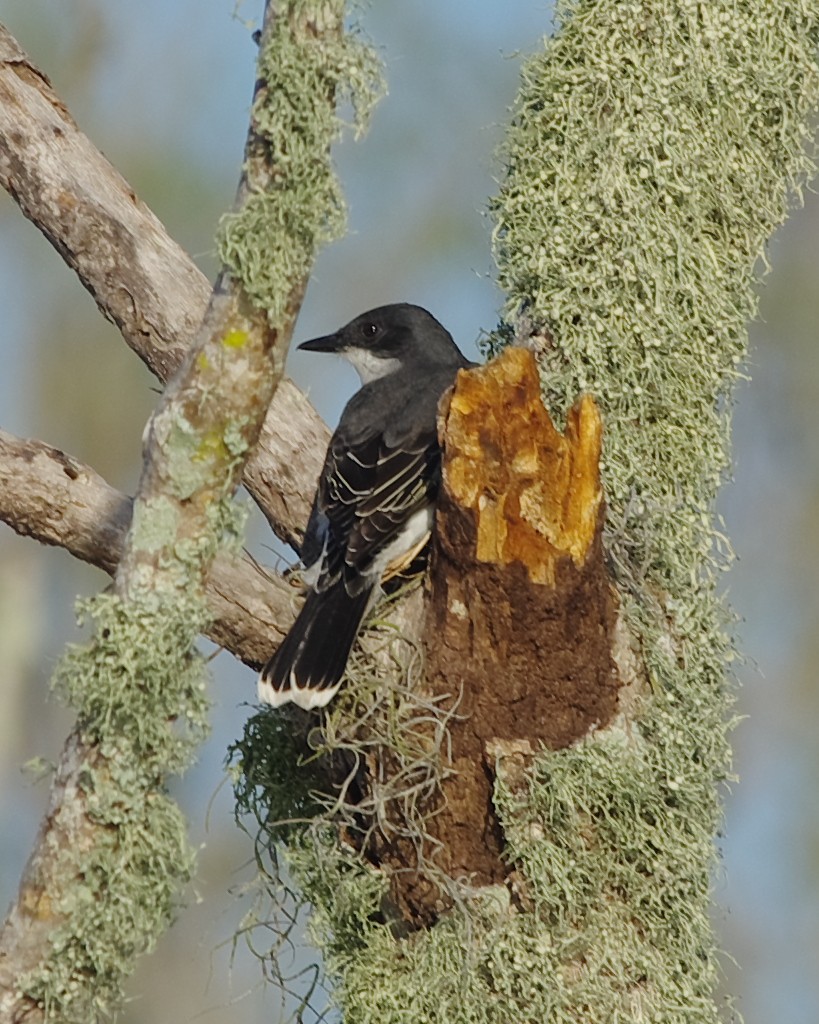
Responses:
[654,149]
[141,699]
[655,145]
[311,67]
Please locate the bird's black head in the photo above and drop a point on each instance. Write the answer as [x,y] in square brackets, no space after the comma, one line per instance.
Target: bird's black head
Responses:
[390,338]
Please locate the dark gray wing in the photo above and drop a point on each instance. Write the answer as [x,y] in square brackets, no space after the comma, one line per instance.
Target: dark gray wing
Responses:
[369,489]
[382,467]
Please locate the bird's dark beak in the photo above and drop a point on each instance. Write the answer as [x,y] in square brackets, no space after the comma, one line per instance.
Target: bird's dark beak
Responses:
[329,343]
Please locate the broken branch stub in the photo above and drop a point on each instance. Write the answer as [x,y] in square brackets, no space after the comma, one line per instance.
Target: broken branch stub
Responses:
[519,620]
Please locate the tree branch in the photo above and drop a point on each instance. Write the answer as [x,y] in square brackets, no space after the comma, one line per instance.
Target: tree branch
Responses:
[113,840]
[55,499]
[139,277]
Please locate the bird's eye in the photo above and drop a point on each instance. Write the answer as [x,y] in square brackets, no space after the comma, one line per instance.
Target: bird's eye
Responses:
[369,330]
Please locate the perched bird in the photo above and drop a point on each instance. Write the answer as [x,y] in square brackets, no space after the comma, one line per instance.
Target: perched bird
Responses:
[373,509]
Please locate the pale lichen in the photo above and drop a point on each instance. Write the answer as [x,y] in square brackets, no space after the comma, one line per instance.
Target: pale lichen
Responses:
[654,147]
[142,705]
[309,72]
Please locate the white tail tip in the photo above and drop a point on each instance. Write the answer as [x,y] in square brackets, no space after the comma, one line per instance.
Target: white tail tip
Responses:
[306,697]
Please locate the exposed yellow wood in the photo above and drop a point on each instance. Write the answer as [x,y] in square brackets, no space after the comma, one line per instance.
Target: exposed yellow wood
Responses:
[535,492]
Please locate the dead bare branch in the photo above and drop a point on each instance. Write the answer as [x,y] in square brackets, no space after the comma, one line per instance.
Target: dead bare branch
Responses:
[139,277]
[55,499]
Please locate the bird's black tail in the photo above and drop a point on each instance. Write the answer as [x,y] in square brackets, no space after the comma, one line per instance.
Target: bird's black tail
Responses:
[308,666]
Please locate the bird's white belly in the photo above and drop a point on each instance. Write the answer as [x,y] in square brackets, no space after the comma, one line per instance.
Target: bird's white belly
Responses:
[411,538]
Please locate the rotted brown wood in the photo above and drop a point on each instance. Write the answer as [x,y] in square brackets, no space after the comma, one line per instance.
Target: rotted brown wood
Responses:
[520,612]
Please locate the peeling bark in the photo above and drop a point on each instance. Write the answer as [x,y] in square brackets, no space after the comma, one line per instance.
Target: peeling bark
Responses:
[521,613]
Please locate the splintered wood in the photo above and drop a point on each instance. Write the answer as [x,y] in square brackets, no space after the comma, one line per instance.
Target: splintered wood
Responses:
[535,493]
[520,613]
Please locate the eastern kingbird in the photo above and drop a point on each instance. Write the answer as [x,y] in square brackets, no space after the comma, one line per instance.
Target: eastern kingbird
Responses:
[373,508]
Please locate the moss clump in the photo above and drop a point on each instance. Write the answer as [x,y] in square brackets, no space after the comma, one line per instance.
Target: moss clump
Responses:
[309,69]
[137,687]
[273,781]
[142,708]
[291,774]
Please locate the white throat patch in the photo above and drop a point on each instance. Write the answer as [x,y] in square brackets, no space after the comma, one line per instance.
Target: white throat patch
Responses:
[369,366]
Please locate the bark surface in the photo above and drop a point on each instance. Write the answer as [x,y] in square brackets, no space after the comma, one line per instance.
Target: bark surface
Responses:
[519,625]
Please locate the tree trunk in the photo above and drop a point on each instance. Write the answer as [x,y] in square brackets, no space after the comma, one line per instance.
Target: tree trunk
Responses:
[517,573]
[553,817]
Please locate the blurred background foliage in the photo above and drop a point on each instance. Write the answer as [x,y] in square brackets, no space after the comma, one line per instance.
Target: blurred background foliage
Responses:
[163,90]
